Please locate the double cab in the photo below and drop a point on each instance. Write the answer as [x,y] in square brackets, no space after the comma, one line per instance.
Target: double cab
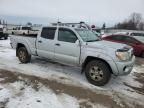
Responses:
[98,59]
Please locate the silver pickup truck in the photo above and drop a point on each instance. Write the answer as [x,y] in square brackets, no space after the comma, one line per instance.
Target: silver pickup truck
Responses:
[77,47]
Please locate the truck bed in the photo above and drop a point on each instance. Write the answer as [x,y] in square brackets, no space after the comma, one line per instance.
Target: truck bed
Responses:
[28,40]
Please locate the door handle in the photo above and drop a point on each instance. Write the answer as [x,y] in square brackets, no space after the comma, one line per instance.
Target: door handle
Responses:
[40,41]
[57,44]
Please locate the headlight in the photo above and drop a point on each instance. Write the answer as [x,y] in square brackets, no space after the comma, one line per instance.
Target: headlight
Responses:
[122,55]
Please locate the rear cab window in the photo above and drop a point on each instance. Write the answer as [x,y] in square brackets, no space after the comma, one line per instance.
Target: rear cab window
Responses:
[48,32]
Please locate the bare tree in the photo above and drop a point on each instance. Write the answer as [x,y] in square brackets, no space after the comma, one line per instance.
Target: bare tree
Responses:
[141,26]
[135,19]
[134,22]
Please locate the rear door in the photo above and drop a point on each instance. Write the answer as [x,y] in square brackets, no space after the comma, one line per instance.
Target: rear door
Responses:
[67,50]
[45,43]
[114,38]
[132,42]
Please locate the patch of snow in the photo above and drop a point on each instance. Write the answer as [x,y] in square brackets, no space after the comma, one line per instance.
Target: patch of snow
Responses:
[68,100]
[29,98]
[4,93]
[117,84]
[92,105]
[138,69]
[1,79]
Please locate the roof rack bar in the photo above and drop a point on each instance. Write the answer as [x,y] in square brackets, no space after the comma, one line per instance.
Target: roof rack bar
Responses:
[78,25]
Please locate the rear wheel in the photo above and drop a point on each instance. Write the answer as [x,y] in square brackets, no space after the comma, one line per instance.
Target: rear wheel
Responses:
[24,34]
[23,55]
[98,73]
[5,38]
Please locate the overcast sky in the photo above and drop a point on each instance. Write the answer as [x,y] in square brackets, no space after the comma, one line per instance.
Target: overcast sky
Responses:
[92,11]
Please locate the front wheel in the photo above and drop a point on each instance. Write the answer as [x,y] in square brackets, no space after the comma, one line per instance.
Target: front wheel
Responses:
[98,73]
[23,55]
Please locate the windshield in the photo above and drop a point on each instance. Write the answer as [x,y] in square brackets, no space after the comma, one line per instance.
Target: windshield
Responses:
[141,39]
[137,34]
[87,35]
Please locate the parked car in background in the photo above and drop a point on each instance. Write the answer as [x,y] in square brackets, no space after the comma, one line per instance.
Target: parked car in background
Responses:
[24,30]
[136,34]
[122,33]
[77,47]
[105,35]
[131,33]
[136,42]
[3,32]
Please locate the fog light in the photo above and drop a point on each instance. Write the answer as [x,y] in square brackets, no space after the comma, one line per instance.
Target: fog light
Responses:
[127,69]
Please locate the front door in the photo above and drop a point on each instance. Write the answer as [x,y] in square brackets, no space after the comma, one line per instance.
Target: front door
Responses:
[132,42]
[67,49]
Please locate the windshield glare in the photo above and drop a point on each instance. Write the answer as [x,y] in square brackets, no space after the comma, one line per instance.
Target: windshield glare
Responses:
[87,35]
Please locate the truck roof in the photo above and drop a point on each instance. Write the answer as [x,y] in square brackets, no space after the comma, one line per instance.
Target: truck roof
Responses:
[69,27]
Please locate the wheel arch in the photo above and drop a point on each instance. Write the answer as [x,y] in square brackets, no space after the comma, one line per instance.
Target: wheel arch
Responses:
[90,58]
[19,45]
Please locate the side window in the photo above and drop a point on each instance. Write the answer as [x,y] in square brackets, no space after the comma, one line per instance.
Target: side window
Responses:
[116,38]
[48,33]
[66,35]
[130,40]
[17,28]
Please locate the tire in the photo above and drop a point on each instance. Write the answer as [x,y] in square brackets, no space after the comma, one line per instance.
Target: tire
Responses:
[98,73]
[23,55]
[6,37]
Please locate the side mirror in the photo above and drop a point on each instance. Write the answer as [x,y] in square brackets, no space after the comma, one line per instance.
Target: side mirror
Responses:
[78,43]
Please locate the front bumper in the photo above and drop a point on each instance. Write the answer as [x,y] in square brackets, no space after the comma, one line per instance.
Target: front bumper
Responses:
[125,68]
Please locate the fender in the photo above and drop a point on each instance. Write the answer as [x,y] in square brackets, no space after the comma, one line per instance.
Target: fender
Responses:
[25,44]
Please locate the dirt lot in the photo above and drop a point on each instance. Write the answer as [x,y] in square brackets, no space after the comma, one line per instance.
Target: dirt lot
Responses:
[86,96]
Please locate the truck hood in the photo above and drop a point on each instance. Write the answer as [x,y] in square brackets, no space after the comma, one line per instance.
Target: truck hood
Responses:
[106,45]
